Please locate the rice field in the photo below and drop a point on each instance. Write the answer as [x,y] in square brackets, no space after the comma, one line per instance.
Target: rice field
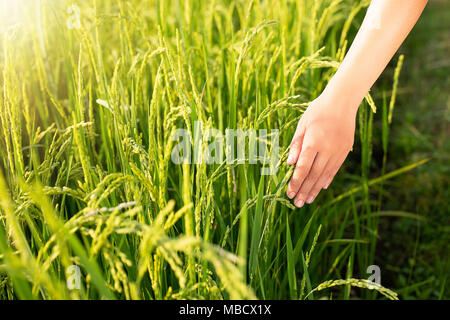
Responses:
[92,94]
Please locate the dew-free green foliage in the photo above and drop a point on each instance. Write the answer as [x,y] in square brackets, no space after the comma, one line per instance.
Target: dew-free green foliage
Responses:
[87,117]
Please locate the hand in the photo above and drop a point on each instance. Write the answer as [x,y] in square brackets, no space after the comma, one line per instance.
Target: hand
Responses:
[322,140]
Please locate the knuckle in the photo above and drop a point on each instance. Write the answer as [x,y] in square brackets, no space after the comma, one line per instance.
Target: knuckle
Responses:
[295,183]
[310,147]
[297,180]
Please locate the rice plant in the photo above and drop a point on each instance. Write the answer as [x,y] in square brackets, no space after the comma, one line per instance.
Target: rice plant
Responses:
[92,93]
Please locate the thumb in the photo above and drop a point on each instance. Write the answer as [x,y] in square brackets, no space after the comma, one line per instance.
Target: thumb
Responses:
[296,144]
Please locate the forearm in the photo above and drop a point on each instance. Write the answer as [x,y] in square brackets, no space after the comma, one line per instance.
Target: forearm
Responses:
[325,133]
[386,25]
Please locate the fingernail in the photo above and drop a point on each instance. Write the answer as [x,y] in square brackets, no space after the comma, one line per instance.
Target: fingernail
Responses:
[299,203]
[310,200]
[326,186]
[291,195]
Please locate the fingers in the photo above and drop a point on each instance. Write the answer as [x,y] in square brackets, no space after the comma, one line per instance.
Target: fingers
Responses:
[302,168]
[327,176]
[303,194]
[334,170]
[316,160]
[296,144]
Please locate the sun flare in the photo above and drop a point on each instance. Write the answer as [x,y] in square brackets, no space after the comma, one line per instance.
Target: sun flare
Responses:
[11,13]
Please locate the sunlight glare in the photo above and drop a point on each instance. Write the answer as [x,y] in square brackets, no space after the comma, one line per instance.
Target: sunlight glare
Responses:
[11,13]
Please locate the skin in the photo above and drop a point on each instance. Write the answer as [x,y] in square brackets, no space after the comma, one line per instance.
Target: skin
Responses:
[325,133]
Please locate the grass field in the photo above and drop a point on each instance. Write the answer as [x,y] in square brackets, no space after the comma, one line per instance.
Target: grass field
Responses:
[91,95]
[417,251]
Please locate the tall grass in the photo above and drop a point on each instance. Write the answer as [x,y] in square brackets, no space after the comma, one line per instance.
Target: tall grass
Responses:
[87,117]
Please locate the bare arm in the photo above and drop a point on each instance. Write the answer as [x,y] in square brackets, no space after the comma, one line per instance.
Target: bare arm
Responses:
[325,133]
[385,27]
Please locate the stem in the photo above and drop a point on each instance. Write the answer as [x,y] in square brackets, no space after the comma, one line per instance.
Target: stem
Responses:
[188,217]
[243,225]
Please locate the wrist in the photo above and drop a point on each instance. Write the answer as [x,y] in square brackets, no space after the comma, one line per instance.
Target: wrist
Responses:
[343,100]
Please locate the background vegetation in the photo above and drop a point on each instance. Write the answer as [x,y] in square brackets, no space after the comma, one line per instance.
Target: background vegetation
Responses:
[87,115]
[417,252]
